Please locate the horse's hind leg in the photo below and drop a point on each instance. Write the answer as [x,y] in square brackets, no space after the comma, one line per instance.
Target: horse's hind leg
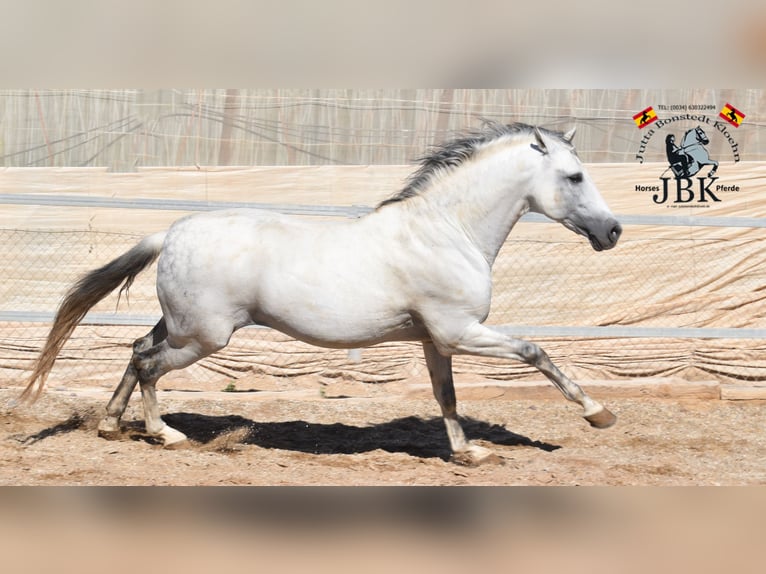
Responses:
[440,371]
[153,363]
[109,426]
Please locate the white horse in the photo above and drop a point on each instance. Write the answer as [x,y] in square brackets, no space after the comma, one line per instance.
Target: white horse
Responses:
[417,268]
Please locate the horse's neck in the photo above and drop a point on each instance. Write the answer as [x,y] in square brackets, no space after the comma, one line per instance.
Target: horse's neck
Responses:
[480,200]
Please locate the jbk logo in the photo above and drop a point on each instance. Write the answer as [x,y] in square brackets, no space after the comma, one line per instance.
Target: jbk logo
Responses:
[686,160]
[686,190]
[690,178]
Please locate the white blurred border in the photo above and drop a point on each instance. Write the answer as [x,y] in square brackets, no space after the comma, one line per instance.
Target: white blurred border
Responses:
[345,530]
[401,43]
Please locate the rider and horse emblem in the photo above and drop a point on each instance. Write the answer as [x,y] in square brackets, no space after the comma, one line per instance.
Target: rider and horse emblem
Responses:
[688,158]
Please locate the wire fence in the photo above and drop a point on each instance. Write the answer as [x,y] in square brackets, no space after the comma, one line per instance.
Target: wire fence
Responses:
[670,300]
[673,299]
[126,129]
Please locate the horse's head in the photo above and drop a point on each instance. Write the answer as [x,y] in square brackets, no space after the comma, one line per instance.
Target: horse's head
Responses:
[563,191]
[695,136]
[701,136]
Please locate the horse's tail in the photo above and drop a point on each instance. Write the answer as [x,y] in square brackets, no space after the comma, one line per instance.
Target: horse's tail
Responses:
[83,295]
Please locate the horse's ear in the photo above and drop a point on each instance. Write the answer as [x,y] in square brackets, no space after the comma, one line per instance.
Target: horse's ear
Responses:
[540,145]
[569,136]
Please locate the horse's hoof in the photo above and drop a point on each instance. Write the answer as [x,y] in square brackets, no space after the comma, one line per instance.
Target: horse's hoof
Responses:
[475,455]
[177,445]
[171,438]
[109,429]
[603,419]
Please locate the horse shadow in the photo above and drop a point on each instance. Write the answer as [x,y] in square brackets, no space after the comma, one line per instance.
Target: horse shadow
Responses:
[75,422]
[415,436]
[422,438]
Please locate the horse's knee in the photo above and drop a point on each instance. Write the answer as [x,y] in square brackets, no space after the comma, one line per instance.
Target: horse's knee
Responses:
[530,353]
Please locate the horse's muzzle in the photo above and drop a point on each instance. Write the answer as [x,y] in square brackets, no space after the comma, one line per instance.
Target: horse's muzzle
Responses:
[607,237]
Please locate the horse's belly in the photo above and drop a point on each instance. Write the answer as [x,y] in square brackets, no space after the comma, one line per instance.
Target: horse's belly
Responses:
[353,340]
[343,326]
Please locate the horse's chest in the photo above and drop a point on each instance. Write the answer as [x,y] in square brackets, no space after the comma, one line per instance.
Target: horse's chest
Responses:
[454,283]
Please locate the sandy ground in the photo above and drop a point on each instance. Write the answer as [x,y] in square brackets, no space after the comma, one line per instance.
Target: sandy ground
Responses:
[305,437]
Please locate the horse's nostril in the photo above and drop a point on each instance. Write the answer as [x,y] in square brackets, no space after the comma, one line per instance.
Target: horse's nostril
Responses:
[616,231]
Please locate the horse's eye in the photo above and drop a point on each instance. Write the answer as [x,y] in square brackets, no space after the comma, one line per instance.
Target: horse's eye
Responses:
[575,178]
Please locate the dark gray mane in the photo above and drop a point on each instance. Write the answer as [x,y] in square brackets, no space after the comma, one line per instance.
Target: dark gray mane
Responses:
[456,152]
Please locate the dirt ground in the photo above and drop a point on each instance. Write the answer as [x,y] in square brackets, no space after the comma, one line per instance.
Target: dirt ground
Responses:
[306,436]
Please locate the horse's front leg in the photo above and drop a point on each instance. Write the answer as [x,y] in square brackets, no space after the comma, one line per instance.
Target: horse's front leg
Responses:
[440,371]
[479,339]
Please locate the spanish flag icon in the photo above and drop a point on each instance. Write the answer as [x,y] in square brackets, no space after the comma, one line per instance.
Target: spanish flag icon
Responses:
[732,115]
[644,118]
